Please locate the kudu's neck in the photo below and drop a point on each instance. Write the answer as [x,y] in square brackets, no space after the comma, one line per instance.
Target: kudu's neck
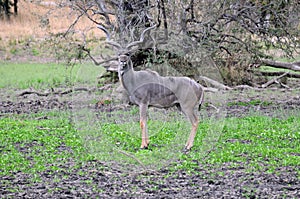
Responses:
[127,76]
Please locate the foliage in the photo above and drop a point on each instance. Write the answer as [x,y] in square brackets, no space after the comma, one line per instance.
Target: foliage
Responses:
[229,34]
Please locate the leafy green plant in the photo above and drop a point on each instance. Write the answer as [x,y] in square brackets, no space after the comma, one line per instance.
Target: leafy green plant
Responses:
[257,141]
[32,146]
[35,52]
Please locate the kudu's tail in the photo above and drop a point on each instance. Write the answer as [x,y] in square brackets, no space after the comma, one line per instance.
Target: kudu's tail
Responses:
[201,99]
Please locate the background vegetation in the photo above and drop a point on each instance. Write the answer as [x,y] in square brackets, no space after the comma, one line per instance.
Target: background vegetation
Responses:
[230,38]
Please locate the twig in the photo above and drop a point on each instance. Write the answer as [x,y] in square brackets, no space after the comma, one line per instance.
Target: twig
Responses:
[282,84]
[243,87]
[214,107]
[211,90]
[132,156]
[94,60]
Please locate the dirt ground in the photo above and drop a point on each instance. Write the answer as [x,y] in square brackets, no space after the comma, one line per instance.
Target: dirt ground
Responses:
[108,182]
[95,179]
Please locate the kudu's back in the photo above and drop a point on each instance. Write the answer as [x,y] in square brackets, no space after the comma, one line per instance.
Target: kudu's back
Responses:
[155,90]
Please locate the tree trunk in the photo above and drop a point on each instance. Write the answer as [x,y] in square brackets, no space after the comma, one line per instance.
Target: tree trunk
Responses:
[15,7]
[7,8]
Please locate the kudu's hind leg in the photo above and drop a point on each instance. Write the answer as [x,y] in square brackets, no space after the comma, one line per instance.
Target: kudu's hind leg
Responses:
[143,124]
[190,114]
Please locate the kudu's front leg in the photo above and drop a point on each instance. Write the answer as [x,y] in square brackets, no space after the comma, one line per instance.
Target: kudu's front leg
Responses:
[194,120]
[143,124]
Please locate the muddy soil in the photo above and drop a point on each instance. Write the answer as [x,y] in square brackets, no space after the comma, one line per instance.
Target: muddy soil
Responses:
[235,103]
[96,179]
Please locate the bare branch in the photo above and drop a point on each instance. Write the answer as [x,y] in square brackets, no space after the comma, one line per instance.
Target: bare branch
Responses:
[73,24]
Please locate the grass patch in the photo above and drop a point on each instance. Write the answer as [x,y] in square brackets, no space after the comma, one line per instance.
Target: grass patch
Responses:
[28,144]
[42,76]
[260,142]
[257,142]
[255,102]
[31,146]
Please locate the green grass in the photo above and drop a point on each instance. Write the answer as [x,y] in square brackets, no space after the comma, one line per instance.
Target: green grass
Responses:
[257,142]
[250,103]
[31,146]
[42,76]
[260,142]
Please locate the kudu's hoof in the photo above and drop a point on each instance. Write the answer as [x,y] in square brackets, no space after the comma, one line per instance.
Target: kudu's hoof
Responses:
[186,150]
[144,148]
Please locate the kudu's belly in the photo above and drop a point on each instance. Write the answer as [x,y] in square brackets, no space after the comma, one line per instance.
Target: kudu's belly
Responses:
[154,94]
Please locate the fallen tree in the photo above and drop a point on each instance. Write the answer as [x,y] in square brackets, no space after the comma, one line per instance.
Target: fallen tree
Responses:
[295,66]
[289,74]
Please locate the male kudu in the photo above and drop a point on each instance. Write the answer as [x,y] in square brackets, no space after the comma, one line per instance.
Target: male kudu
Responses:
[147,88]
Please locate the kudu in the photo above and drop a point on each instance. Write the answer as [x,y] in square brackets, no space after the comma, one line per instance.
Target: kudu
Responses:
[147,88]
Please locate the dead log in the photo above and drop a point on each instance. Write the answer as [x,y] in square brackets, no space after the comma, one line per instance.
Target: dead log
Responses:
[214,83]
[289,75]
[210,89]
[274,80]
[68,91]
[244,87]
[295,66]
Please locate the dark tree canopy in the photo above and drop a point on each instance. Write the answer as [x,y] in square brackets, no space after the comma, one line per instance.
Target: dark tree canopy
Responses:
[6,8]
